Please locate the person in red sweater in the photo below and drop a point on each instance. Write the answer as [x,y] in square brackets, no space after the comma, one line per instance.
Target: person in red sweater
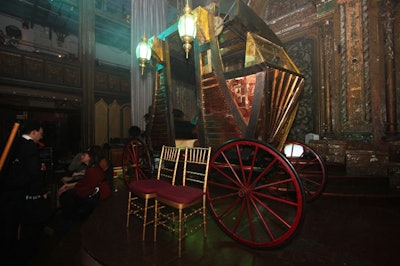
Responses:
[78,199]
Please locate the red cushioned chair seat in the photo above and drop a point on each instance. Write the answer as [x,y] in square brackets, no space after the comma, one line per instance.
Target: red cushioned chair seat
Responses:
[180,194]
[147,186]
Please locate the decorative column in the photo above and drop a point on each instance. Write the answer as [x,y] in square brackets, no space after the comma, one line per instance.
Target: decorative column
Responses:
[387,7]
[147,17]
[87,57]
[355,90]
[326,32]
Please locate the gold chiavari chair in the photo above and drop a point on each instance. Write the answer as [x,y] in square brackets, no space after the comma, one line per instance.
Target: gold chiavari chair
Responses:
[141,191]
[187,199]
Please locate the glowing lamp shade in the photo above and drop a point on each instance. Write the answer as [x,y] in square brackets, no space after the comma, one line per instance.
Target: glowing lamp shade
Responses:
[293,150]
[187,28]
[143,53]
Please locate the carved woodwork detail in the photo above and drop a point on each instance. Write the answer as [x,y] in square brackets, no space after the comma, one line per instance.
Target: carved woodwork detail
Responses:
[327,74]
[27,68]
[390,84]
[301,51]
[366,56]
[276,9]
[354,67]
[326,42]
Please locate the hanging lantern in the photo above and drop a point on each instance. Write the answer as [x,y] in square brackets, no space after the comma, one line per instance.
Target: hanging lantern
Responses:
[143,52]
[187,28]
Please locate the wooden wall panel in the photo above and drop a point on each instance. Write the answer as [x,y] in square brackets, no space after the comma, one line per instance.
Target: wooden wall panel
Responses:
[54,72]
[33,69]
[100,81]
[114,115]
[125,84]
[114,82]
[72,76]
[101,122]
[10,65]
[126,120]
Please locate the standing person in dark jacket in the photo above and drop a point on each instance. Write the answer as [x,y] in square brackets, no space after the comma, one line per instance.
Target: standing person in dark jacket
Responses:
[24,199]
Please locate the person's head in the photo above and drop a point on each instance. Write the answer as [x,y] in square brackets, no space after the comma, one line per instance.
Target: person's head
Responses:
[147,118]
[134,131]
[33,129]
[92,155]
[178,114]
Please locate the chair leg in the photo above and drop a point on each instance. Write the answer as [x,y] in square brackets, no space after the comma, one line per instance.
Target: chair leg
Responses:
[146,204]
[204,220]
[155,219]
[128,214]
[180,233]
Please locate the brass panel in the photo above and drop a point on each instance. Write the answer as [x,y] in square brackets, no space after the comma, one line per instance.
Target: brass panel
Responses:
[114,120]
[157,49]
[203,34]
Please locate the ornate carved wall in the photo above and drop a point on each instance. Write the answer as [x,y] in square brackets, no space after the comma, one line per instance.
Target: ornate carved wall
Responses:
[302,53]
[353,55]
[354,91]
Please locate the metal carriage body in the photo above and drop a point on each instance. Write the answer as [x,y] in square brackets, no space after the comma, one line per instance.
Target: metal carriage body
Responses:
[246,84]
[247,95]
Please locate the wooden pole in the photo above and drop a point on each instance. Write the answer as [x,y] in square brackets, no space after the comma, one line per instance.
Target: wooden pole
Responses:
[8,145]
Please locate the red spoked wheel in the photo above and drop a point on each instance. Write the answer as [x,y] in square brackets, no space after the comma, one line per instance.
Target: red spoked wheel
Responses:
[254,193]
[309,166]
[136,161]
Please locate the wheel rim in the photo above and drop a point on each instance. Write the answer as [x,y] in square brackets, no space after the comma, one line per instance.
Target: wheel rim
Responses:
[136,161]
[310,167]
[254,193]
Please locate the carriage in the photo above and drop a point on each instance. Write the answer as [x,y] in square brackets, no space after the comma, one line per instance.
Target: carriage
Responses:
[246,90]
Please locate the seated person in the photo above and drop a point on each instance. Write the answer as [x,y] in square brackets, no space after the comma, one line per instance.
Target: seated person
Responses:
[77,168]
[78,199]
[183,129]
[108,170]
[135,133]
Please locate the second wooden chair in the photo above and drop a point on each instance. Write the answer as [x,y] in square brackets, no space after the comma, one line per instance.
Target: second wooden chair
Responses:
[141,191]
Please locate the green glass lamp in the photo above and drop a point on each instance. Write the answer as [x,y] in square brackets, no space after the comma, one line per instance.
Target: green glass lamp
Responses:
[187,28]
[143,53]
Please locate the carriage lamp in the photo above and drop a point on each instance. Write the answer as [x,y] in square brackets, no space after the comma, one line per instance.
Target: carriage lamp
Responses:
[293,150]
[187,28]
[143,52]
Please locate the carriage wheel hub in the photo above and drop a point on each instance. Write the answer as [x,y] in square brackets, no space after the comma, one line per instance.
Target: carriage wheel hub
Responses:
[243,192]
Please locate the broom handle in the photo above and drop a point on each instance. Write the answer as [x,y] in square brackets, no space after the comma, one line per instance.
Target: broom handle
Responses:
[8,145]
